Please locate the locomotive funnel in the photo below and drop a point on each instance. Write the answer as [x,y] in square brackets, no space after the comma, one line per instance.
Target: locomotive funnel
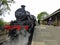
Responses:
[23,7]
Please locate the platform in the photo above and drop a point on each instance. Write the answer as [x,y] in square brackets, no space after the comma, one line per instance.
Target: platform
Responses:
[46,35]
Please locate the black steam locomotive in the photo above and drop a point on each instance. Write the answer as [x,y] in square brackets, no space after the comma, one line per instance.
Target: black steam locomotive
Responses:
[24,18]
[24,23]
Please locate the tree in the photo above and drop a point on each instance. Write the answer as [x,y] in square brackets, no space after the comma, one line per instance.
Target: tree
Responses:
[4,6]
[42,15]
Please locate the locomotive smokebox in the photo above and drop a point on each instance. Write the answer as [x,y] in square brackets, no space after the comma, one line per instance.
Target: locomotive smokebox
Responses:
[20,13]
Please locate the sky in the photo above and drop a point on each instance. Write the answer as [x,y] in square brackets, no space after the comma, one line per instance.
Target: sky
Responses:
[33,6]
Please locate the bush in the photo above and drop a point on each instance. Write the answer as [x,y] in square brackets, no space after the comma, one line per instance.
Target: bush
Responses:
[1,22]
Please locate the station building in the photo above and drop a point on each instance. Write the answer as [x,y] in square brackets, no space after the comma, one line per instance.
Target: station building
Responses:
[53,19]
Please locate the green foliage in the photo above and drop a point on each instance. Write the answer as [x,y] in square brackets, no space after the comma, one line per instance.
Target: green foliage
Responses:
[4,2]
[4,6]
[1,22]
[42,14]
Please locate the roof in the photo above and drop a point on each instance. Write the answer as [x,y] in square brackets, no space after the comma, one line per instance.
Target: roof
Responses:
[52,14]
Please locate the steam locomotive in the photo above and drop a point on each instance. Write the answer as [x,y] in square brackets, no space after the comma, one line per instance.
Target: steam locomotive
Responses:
[25,22]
